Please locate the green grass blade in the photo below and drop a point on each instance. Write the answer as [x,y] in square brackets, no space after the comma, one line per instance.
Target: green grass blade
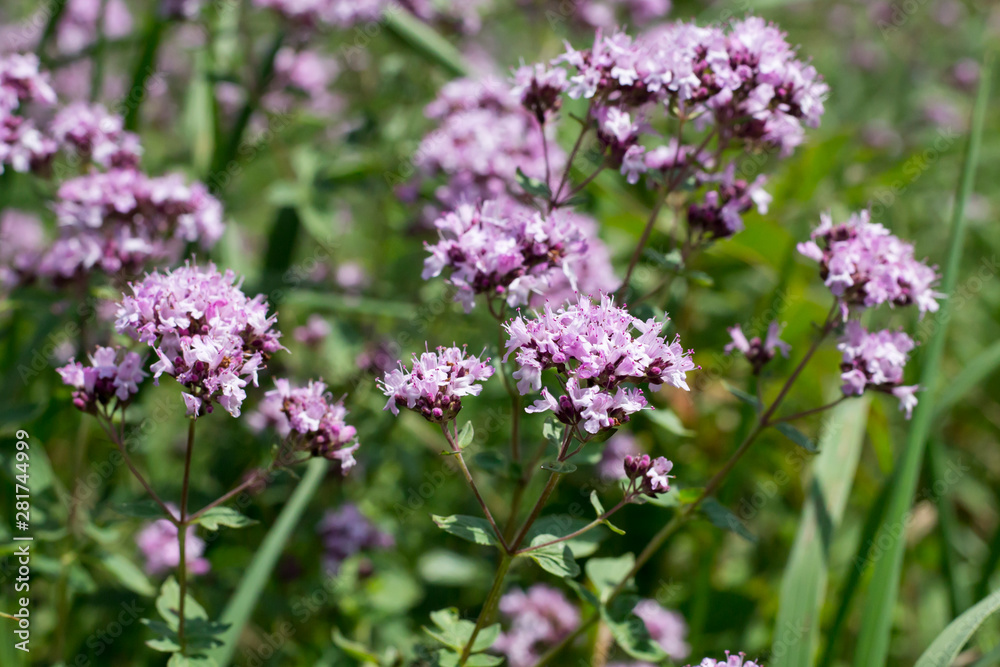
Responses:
[989,565]
[981,367]
[425,40]
[855,573]
[241,605]
[960,594]
[873,643]
[946,646]
[803,585]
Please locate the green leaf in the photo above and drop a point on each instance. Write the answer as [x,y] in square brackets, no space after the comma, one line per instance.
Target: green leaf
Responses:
[354,649]
[465,436]
[224,516]
[163,645]
[583,593]
[178,660]
[876,623]
[168,604]
[561,467]
[599,508]
[700,278]
[473,529]
[944,649]
[552,431]
[672,261]
[447,568]
[448,658]
[423,39]
[629,630]
[796,436]
[804,582]
[128,574]
[533,186]
[142,509]
[723,518]
[605,573]
[454,631]
[668,420]
[258,574]
[745,397]
[555,559]
[560,525]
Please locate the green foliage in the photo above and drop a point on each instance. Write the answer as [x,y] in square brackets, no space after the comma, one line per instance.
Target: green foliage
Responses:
[473,529]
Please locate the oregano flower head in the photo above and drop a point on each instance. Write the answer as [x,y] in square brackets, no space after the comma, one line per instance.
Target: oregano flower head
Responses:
[597,350]
[865,265]
[311,417]
[876,361]
[205,332]
[436,382]
[503,250]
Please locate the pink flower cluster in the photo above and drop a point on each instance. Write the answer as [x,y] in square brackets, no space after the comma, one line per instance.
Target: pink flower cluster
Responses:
[731,660]
[747,80]
[303,76]
[876,361]
[96,136]
[539,618]
[608,13]
[345,532]
[22,145]
[648,476]
[865,265]
[611,467]
[205,331]
[462,15]
[435,385]
[311,416]
[22,242]
[592,348]
[337,13]
[120,219]
[503,250]
[79,21]
[483,137]
[161,549]
[667,628]
[720,213]
[112,373]
[758,352]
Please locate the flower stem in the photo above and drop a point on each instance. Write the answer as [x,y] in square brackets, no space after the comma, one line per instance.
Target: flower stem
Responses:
[650,223]
[576,533]
[182,537]
[492,599]
[120,442]
[763,422]
[472,484]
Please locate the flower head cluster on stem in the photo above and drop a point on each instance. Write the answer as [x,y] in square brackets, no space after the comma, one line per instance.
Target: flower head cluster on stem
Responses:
[311,420]
[595,349]
[865,265]
[731,660]
[876,361]
[503,250]
[436,382]
[113,374]
[205,332]
[758,352]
